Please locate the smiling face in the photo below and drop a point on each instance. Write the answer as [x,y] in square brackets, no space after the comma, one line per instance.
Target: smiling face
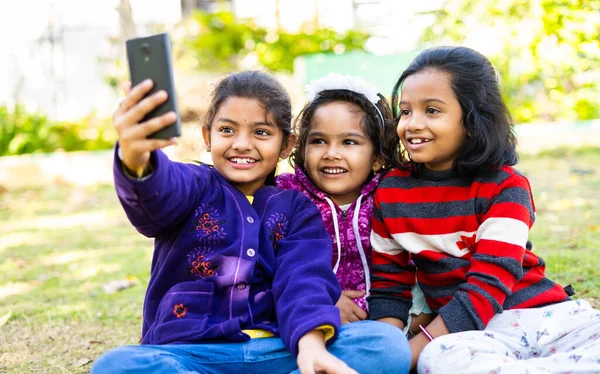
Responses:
[245,144]
[430,125]
[339,156]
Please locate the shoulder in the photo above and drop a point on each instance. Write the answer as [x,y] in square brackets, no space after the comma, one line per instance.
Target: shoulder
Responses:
[505,177]
[394,178]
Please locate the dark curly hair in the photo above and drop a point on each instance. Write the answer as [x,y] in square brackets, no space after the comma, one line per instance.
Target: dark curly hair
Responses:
[383,138]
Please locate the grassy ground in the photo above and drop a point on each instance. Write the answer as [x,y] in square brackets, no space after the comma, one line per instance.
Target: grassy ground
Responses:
[59,245]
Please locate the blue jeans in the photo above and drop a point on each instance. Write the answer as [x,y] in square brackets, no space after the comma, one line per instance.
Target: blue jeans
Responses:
[366,346]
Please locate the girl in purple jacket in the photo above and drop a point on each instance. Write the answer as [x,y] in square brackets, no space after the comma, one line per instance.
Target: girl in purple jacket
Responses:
[235,286]
[346,139]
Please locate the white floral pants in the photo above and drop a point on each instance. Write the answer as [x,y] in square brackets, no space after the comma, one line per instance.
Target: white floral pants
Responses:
[560,338]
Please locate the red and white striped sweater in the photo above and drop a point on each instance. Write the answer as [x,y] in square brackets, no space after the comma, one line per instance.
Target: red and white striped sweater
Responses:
[466,240]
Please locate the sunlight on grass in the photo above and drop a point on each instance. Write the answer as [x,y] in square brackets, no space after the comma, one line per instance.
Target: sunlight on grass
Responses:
[68,309]
[69,257]
[13,289]
[8,241]
[91,271]
[61,221]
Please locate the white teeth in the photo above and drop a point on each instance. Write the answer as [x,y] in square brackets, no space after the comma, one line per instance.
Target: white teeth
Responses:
[239,160]
[418,141]
[334,171]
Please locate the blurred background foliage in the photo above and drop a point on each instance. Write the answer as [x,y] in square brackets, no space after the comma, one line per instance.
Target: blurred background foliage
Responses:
[220,42]
[24,132]
[547,52]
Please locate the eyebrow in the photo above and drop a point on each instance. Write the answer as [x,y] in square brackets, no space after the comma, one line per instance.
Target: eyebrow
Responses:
[428,100]
[344,135]
[259,123]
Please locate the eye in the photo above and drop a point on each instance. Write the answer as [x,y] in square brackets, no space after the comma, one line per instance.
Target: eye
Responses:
[404,112]
[350,142]
[316,141]
[262,132]
[431,110]
[225,129]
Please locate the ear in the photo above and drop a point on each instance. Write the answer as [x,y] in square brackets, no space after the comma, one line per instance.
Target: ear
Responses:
[291,143]
[378,164]
[206,137]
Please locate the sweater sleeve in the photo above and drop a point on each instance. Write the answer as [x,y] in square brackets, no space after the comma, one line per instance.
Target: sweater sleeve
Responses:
[392,274]
[497,261]
[163,199]
[304,286]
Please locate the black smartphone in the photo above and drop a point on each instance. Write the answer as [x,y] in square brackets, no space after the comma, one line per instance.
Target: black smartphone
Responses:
[150,58]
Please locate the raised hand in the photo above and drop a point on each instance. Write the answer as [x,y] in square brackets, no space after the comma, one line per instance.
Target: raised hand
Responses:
[132,133]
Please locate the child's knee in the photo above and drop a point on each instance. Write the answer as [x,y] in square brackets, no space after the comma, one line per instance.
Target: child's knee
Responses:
[386,345]
[107,363]
[134,359]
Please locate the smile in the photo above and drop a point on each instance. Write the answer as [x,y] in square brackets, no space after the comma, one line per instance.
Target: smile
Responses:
[418,141]
[242,160]
[334,170]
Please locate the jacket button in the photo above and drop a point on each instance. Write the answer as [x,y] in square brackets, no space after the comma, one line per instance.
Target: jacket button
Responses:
[241,286]
[250,252]
[250,219]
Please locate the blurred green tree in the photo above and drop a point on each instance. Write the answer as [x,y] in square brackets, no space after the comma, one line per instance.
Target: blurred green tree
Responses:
[22,132]
[219,41]
[547,52]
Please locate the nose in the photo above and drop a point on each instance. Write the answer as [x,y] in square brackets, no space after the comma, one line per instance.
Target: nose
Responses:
[242,142]
[332,153]
[414,123]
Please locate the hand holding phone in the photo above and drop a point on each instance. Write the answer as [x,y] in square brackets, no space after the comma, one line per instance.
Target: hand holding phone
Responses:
[150,58]
[135,146]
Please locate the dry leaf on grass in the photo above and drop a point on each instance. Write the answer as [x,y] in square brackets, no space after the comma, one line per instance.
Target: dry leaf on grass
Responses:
[4,319]
[119,284]
[82,362]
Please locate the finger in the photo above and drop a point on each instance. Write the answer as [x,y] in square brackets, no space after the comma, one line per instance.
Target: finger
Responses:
[126,86]
[353,294]
[335,365]
[135,94]
[306,368]
[138,111]
[359,313]
[154,144]
[352,318]
[151,126]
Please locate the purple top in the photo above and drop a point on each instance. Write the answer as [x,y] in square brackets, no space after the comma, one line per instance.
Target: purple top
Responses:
[221,264]
[351,256]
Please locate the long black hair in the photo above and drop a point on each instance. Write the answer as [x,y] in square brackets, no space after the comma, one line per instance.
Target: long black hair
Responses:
[491,141]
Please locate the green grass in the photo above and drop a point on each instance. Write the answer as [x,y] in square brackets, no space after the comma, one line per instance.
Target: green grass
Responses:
[60,244]
[567,228]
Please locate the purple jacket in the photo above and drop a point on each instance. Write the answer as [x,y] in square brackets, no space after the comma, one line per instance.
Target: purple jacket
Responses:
[221,264]
[351,256]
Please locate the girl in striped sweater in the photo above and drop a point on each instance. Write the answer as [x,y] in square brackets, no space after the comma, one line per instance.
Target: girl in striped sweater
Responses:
[457,214]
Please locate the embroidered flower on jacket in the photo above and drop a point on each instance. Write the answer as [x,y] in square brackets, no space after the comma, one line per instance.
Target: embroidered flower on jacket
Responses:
[179,310]
[208,224]
[278,227]
[199,265]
